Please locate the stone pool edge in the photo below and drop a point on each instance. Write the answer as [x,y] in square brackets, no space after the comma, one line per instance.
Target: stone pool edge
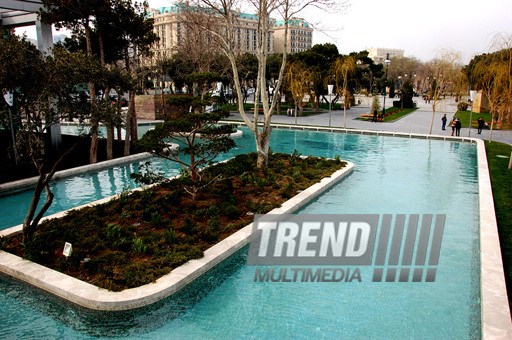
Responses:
[495,310]
[29,182]
[92,297]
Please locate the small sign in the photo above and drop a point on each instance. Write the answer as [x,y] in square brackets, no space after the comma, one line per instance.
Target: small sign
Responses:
[9,98]
[68,248]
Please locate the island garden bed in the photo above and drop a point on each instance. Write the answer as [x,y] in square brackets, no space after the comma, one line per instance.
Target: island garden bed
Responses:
[142,235]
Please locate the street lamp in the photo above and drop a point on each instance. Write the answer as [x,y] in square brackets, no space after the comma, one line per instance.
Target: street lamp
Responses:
[387,62]
[329,89]
[472,95]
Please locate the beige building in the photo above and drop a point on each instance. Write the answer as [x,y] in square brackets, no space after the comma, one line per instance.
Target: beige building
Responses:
[300,36]
[378,55]
[170,25]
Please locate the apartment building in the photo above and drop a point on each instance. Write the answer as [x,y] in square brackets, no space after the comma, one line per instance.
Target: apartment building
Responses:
[300,36]
[170,24]
[379,54]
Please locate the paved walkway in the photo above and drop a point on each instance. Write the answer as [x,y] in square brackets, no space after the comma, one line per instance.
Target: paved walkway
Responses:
[417,122]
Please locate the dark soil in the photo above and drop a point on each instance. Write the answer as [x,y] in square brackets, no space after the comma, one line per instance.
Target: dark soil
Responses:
[143,235]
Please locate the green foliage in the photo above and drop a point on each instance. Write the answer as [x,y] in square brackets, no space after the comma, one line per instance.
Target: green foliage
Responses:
[170,236]
[407,94]
[147,175]
[138,246]
[462,106]
[200,149]
[288,190]
[501,178]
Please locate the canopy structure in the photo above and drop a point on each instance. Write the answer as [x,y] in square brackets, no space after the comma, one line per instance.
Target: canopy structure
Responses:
[19,13]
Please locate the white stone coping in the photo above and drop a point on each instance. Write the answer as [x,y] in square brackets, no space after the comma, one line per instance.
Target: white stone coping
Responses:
[495,311]
[28,182]
[236,134]
[90,296]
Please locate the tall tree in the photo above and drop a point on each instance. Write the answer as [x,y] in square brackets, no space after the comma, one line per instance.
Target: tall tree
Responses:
[444,71]
[121,25]
[298,81]
[77,15]
[45,90]
[343,69]
[225,15]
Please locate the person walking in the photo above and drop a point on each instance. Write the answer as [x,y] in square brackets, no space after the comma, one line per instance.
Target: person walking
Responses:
[458,125]
[444,119]
[374,119]
[453,123]
[481,124]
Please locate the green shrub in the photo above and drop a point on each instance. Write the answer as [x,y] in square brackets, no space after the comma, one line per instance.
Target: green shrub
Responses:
[462,106]
[288,190]
[189,227]
[170,236]
[138,246]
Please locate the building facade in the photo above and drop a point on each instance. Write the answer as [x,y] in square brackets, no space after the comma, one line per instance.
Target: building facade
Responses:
[300,36]
[378,55]
[170,24]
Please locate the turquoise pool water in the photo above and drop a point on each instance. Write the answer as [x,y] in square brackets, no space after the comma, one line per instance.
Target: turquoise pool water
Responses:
[392,175]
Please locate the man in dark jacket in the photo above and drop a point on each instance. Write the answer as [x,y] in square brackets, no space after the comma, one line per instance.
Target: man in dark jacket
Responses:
[458,125]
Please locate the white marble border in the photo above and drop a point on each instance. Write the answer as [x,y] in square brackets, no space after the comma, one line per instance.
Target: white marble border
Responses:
[90,296]
[28,182]
[496,323]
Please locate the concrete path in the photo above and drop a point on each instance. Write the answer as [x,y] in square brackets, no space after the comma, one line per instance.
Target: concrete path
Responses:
[417,122]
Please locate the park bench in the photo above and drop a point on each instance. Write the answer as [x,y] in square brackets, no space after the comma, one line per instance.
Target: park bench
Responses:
[497,125]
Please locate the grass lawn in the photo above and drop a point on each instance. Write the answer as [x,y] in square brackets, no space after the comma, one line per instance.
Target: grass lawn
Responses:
[397,113]
[307,110]
[392,114]
[464,117]
[501,178]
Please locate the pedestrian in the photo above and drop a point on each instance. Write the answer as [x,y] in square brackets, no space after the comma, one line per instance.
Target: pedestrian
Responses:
[481,124]
[444,119]
[453,125]
[458,125]
[374,119]
[288,112]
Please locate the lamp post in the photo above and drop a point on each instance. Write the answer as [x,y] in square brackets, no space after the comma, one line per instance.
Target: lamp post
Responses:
[329,89]
[472,95]
[387,62]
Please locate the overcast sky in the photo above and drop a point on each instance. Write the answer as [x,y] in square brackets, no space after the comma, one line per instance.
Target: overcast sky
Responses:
[418,27]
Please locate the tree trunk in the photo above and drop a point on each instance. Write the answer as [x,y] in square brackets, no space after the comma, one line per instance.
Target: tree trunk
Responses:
[162,84]
[92,95]
[128,126]
[93,151]
[433,116]
[262,147]
[110,128]
[110,140]
[30,222]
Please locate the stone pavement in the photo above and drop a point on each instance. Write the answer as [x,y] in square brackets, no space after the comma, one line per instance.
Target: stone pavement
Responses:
[417,122]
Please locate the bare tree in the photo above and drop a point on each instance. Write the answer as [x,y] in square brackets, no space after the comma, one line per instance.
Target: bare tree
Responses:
[443,71]
[227,14]
[343,68]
